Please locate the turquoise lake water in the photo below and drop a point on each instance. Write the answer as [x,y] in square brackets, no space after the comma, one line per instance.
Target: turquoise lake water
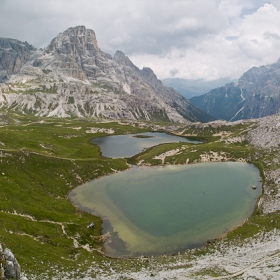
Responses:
[120,146]
[157,210]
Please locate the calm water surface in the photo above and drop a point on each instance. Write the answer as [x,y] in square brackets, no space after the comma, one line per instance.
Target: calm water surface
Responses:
[149,211]
[120,146]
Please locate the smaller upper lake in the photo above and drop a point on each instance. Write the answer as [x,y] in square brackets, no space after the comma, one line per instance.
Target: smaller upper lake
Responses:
[120,146]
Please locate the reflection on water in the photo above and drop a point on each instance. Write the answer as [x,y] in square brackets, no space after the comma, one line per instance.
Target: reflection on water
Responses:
[156,210]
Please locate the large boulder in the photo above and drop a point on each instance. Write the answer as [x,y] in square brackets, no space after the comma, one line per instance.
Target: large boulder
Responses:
[9,266]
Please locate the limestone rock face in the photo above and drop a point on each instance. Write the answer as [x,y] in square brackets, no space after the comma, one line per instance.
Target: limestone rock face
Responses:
[122,59]
[13,55]
[73,77]
[74,41]
[267,133]
[76,51]
[9,267]
[2,263]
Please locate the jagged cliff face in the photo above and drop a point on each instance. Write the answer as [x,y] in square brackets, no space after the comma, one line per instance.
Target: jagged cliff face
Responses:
[256,95]
[76,53]
[13,55]
[73,77]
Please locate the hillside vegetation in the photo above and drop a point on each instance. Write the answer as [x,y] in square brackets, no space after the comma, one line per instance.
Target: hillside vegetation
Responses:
[41,160]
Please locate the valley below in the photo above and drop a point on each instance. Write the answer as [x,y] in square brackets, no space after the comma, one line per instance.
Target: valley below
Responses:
[43,159]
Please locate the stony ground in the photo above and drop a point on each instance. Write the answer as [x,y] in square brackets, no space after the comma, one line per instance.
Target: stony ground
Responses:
[257,258]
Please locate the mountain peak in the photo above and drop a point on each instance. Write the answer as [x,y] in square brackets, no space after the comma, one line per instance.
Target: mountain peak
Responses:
[76,78]
[255,96]
[150,76]
[122,59]
[74,40]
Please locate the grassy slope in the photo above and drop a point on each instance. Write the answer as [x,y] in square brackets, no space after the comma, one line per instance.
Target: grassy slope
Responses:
[43,159]
[40,163]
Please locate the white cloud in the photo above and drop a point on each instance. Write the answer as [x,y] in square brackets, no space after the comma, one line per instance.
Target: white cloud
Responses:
[237,8]
[253,40]
[180,38]
[258,35]
[130,25]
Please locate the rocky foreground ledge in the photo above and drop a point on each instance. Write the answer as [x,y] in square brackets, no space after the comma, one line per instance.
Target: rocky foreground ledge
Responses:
[9,267]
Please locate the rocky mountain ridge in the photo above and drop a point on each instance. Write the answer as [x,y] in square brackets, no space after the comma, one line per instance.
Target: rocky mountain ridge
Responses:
[73,77]
[255,96]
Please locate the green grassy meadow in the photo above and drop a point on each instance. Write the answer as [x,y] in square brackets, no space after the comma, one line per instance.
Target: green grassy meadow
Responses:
[42,159]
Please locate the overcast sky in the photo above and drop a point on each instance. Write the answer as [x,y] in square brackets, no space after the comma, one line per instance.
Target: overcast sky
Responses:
[201,39]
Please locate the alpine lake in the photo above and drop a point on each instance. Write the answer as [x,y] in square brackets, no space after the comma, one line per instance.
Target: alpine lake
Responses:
[166,209]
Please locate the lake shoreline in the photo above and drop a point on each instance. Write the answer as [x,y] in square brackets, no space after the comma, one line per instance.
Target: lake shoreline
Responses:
[203,160]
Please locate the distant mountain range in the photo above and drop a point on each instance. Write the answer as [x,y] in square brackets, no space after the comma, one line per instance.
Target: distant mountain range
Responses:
[72,77]
[190,88]
[256,95]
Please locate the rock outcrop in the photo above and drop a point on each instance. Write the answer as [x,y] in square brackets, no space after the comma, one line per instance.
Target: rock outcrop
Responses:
[13,55]
[255,96]
[73,77]
[9,267]
[266,135]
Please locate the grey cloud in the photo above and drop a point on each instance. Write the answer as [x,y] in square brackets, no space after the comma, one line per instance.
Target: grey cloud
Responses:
[132,26]
[269,35]
[178,25]
[173,72]
[231,38]
[192,36]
